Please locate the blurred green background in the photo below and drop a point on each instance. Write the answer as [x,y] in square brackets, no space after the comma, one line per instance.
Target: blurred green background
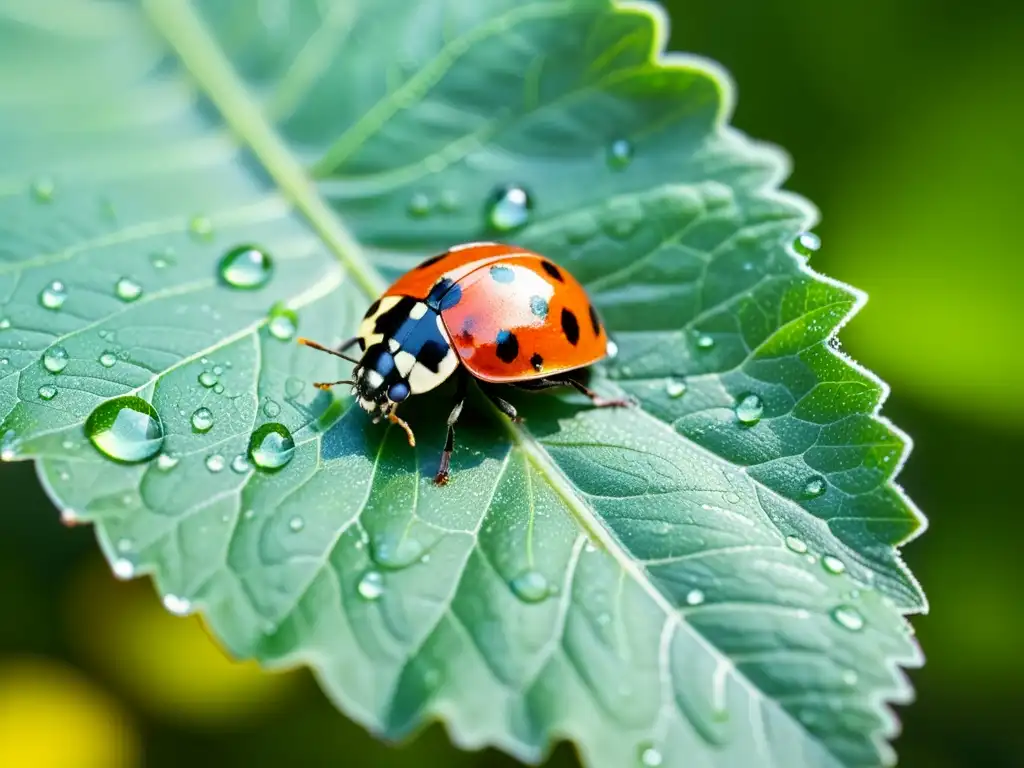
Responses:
[904,119]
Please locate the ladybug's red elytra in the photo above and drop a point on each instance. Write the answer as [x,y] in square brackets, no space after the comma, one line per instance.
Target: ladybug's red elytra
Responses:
[493,312]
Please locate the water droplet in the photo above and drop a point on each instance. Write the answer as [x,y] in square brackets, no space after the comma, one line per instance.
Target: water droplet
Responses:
[850,678]
[293,386]
[749,410]
[9,446]
[218,370]
[398,552]
[509,208]
[675,388]
[107,359]
[271,446]
[612,349]
[43,189]
[123,568]
[162,259]
[833,564]
[215,462]
[620,154]
[126,429]
[283,323]
[5,361]
[419,205]
[296,524]
[179,606]
[249,514]
[246,267]
[694,597]
[449,200]
[795,544]
[202,420]
[47,392]
[530,586]
[207,379]
[371,585]
[704,341]
[54,295]
[127,289]
[848,617]
[807,243]
[55,359]
[814,488]
[218,389]
[201,228]
[240,464]
[650,757]
[271,408]
[5,323]
[166,462]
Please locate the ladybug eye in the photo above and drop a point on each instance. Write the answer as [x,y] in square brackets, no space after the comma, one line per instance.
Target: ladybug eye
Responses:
[398,391]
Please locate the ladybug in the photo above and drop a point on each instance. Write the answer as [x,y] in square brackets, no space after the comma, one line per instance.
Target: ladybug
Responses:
[493,312]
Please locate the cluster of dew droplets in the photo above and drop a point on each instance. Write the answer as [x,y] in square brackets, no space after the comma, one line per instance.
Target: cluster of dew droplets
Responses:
[846,616]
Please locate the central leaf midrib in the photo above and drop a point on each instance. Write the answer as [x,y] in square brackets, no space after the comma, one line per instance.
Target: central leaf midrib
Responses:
[177,22]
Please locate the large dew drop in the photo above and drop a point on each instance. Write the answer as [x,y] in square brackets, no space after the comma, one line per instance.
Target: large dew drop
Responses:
[371,585]
[127,290]
[271,447]
[749,410]
[246,267]
[54,295]
[848,617]
[282,322]
[530,586]
[126,429]
[55,359]
[202,420]
[508,208]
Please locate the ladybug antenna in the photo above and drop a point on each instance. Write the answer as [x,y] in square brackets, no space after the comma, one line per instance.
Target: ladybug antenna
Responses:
[326,385]
[308,343]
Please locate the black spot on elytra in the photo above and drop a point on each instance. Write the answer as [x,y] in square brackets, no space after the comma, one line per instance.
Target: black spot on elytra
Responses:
[444,295]
[537,361]
[508,346]
[431,354]
[373,309]
[551,269]
[570,326]
[539,306]
[502,274]
[432,260]
[595,321]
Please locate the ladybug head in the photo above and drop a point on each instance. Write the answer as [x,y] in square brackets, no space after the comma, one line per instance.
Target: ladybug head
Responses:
[379,386]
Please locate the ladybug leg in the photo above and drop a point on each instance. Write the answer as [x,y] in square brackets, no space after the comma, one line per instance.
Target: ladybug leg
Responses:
[596,399]
[443,473]
[504,406]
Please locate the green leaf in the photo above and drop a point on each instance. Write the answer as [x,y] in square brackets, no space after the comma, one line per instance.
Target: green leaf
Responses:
[710,579]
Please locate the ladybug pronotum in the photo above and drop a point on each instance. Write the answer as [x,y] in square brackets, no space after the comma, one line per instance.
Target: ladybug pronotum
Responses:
[493,312]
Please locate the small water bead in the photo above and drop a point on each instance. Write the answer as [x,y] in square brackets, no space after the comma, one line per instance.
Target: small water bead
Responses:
[5,323]
[419,205]
[796,545]
[179,606]
[43,189]
[215,463]
[833,564]
[530,586]
[55,359]
[675,388]
[123,568]
[9,445]
[162,259]
[271,447]
[620,154]
[371,585]
[166,462]
[749,410]
[240,464]
[218,370]
[201,228]
[650,757]
[509,208]
[107,359]
[54,295]
[246,267]
[395,553]
[271,408]
[850,678]
[694,597]
[5,361]
[47,392]
[218,389]
[848,617]
[202,420]
[207,379]
[296,524]
[704,341]
[283,323]
[449,200]
[127,290]
[814,488]
[807,243]
[126,429]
